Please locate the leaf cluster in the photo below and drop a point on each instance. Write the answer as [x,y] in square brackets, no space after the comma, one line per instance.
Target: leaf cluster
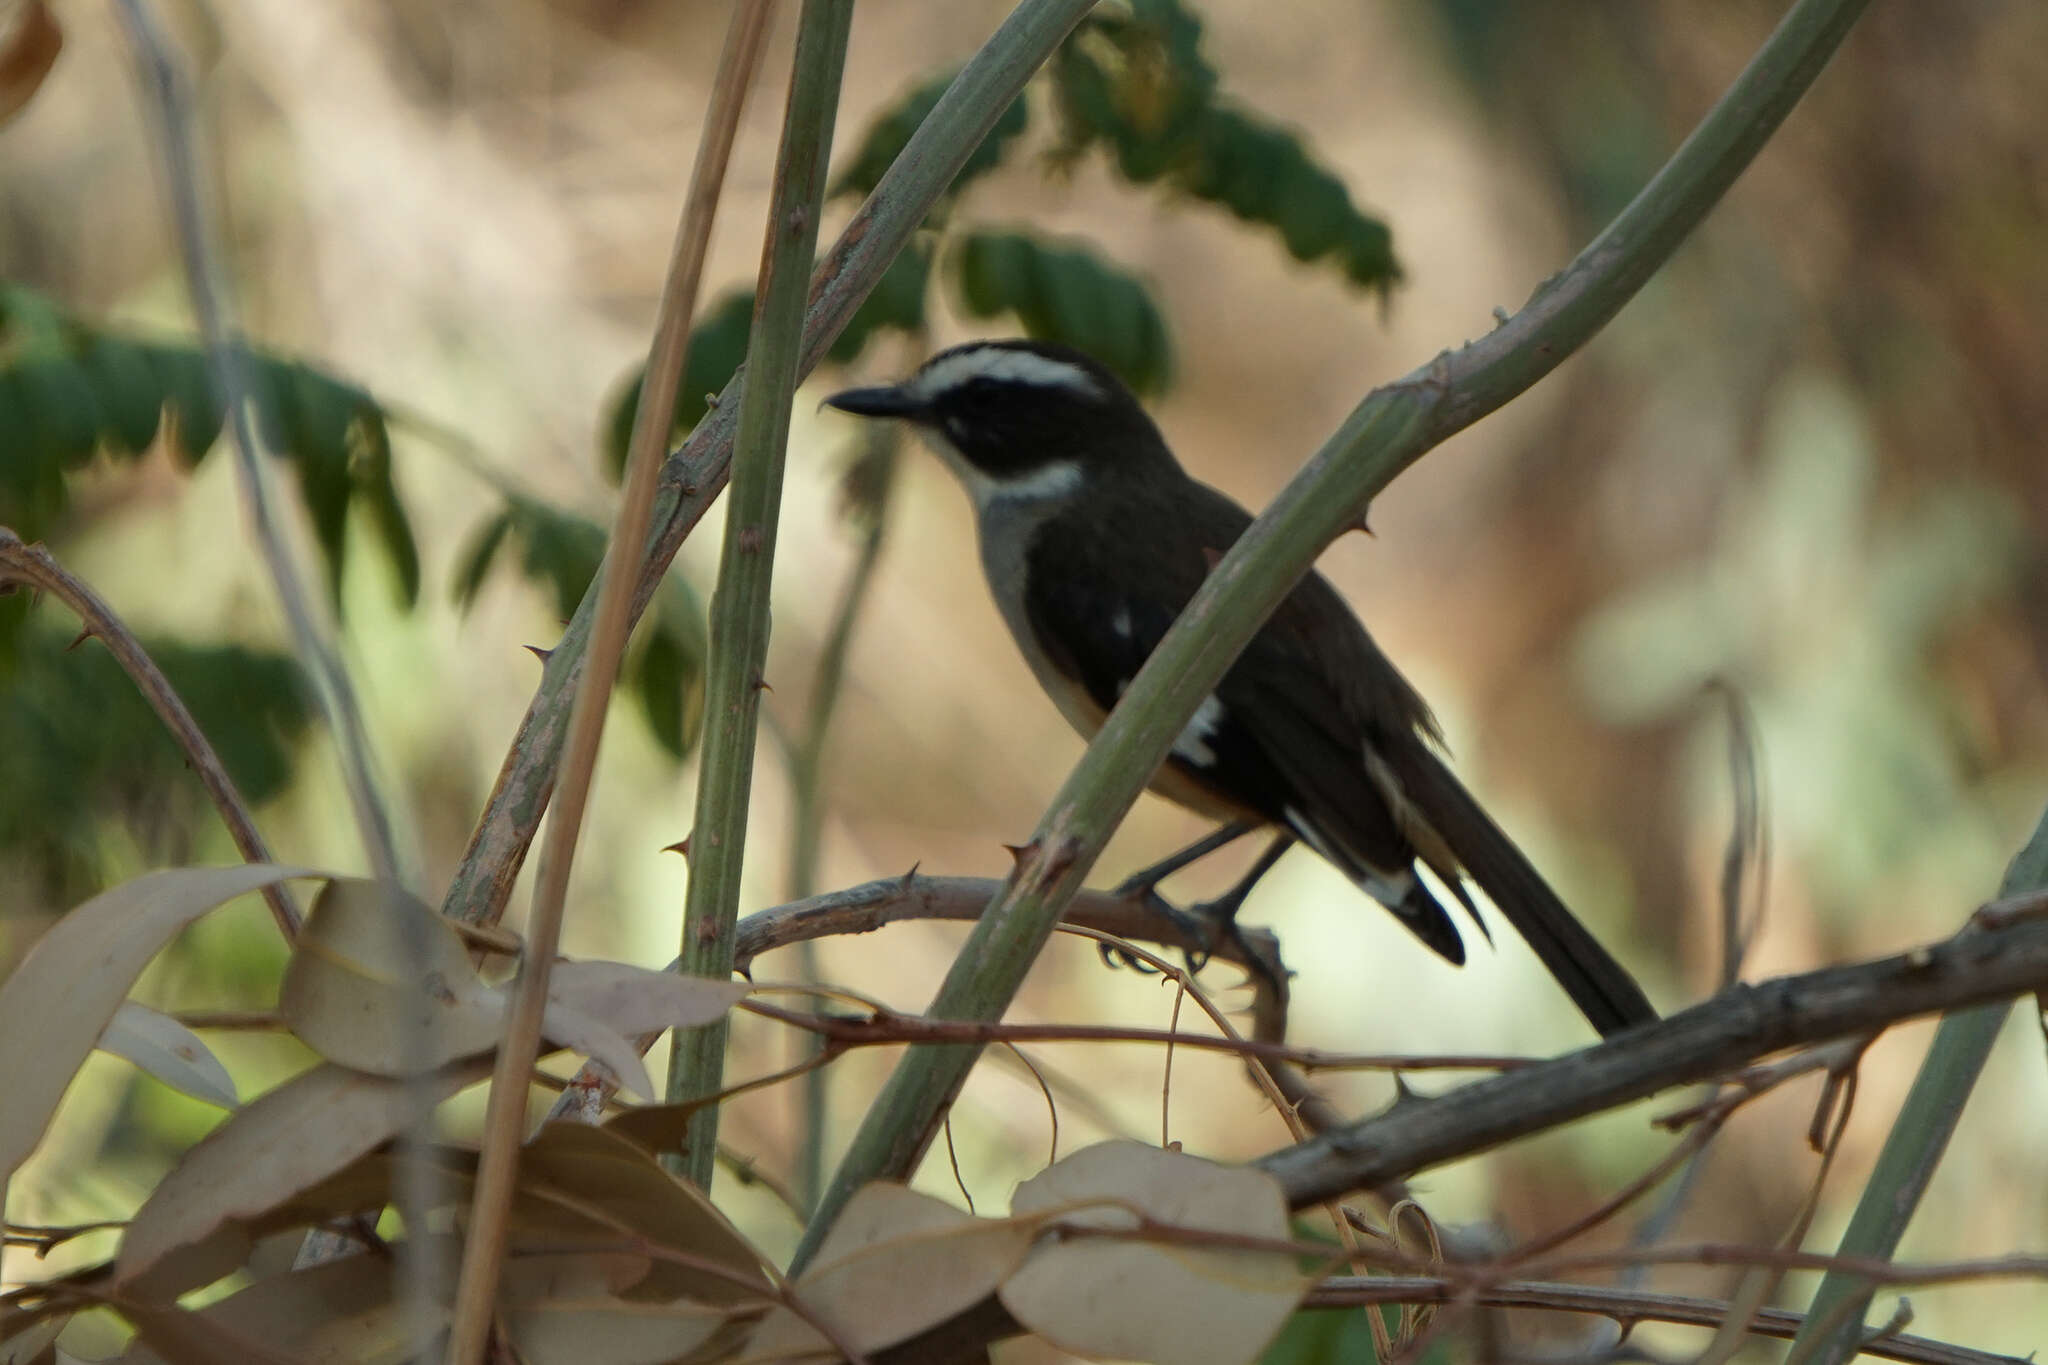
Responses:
[70,392]
[83,745]
[610,1258]
[1136,84]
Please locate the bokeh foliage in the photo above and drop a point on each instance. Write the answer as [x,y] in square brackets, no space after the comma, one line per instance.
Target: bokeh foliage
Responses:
[1136,84]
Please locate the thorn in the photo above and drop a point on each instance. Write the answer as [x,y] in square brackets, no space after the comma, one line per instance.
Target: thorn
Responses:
[797,218]
[681,846]
[1500,316]
[707,932]
[1402,1094]
[759,684]
[84,634]
[711,400]
[537,652]
[1363,525]
[910,877]
[750,539]
[745,970]
[1020,853]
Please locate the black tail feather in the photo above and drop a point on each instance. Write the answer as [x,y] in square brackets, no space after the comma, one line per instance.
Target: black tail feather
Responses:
[1599,985]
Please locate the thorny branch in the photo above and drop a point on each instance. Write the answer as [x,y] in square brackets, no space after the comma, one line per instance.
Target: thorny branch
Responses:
[1731,1030]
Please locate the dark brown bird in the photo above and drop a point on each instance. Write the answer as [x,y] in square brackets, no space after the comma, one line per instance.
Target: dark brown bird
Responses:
[1094,538]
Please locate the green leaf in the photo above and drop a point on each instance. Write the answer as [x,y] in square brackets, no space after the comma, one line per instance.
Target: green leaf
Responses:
[83,746]
[897,303]
[187,386]
[670,674]
[1067,294]
[561,552]
[1137,85]
[57,410]
[475,561]
[131,400]
[69,390]
[886,136]
[718,343]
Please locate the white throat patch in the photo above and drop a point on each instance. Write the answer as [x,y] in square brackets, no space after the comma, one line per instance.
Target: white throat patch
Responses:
[955,368]
[1047,483]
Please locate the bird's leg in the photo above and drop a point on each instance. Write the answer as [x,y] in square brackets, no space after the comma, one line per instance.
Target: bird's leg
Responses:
[1219,917]
[1143,887]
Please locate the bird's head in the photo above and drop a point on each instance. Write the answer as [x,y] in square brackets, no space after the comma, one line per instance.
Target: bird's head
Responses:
[1020,420]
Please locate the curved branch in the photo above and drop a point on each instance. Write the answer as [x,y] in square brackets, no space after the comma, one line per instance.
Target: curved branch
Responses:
[1625,1306]
[1729,1031]
[865,908]
[37,568]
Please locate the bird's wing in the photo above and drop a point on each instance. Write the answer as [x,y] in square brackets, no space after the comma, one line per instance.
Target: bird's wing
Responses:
[1278,738]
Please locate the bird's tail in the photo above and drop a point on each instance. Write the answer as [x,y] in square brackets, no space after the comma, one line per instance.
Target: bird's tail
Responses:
[1600,986]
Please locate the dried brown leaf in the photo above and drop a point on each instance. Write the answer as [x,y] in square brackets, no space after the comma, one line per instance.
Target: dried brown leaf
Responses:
[609,1331]
[169,1051]
[285,1142]
[635,1000]
[896,1263]
[27,52]
[341,1313]
[24,1339]
[567,1026]
[380,983]
[586,1183]
[1155,1301]
[72,982]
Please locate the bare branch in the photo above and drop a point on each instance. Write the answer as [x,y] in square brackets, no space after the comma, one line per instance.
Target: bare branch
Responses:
[1731,1030]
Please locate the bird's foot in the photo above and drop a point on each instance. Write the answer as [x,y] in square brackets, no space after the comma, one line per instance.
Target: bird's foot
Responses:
[1191,926]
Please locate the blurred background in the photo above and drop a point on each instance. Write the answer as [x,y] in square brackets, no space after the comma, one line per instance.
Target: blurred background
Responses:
[1805,461]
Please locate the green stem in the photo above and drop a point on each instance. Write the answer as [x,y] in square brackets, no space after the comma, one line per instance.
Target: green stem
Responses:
[1391,429]
[876,470]
[1834,1320]
[739,608]
[695,475]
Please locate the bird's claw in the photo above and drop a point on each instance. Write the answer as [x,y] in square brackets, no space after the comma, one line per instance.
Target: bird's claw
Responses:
[1196,929]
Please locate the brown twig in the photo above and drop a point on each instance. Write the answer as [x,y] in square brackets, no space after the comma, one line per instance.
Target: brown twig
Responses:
[1626,1307]
[37,568]
[1733,1029]
[1682,1152]
[867,907]
[888,1028]
[504,1122]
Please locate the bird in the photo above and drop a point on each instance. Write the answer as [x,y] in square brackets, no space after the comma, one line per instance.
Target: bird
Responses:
[1093,538]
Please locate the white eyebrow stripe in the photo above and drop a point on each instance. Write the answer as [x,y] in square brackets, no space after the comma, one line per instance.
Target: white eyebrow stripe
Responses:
[954,368]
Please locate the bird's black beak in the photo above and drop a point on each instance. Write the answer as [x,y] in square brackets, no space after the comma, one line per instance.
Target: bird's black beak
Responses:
[884,401]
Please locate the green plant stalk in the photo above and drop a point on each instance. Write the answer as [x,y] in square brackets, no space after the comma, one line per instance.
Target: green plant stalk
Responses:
[1834,1320]
[1391,429]
[491,1202]
[739,608]
[806,777]
[695,475]
[197,219]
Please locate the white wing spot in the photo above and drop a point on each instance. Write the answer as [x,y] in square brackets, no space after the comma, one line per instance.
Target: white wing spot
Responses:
[1193,743]
[1121,622]
[951,369]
